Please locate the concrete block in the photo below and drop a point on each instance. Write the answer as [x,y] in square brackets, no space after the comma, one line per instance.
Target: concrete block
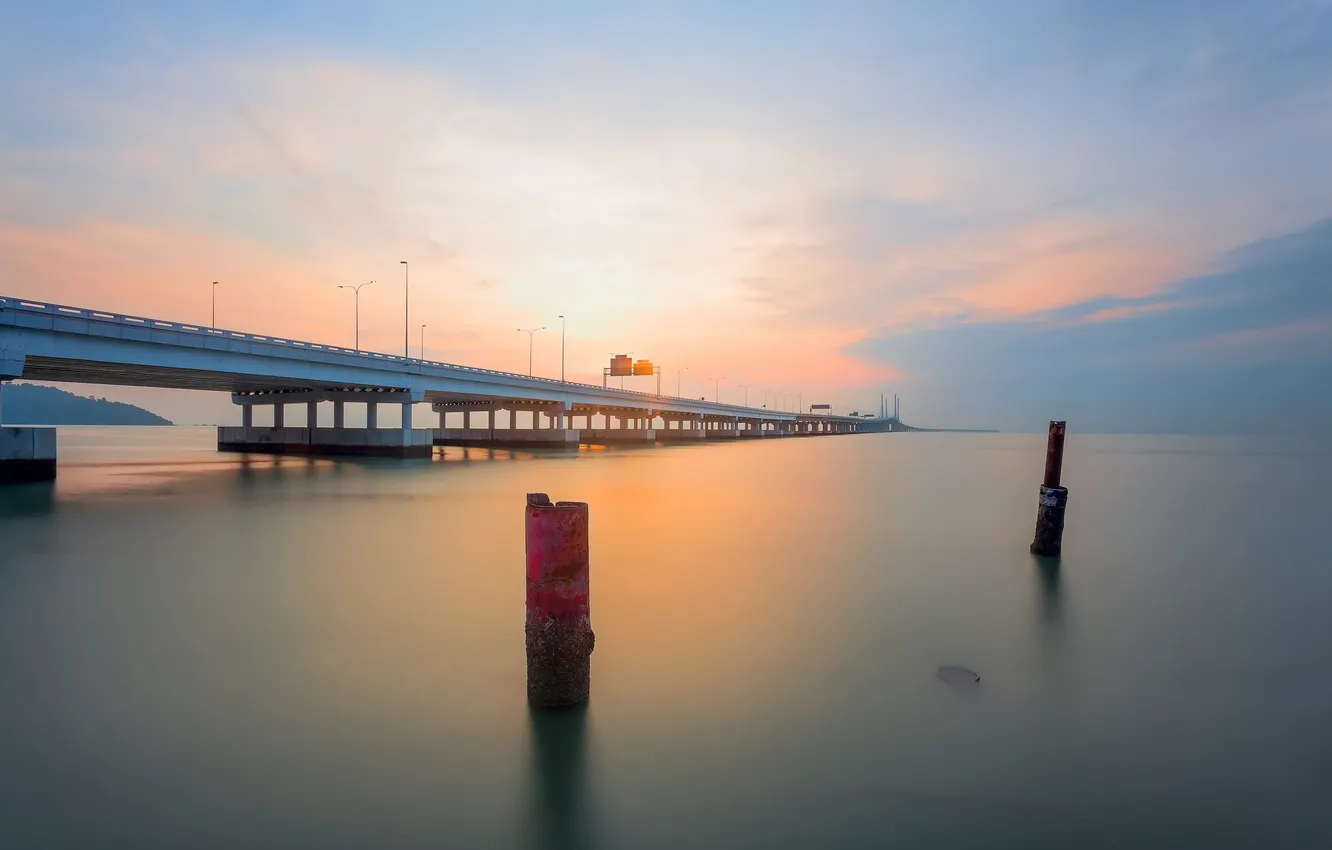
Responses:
[343,442]
[508,437]
[27,455]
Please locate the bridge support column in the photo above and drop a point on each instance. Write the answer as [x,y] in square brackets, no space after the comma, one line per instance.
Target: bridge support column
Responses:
[372,415]
[536,434]
[316,441]
[27,455]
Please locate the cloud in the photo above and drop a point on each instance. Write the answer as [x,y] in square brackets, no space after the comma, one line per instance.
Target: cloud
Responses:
[885,260]
[1245,348]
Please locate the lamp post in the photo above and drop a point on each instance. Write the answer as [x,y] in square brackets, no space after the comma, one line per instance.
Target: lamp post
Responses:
[531,335]
[406,294]
[561,348]
[423,327]
[677,380]
[746,389]
[716,389]
[356,290]
[214,322]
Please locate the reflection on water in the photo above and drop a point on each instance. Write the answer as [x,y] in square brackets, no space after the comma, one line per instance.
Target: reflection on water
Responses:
[1047,573]
[287,652]
[560,811]
[27,499]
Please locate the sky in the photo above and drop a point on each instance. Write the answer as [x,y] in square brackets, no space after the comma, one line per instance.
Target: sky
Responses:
[1116,213]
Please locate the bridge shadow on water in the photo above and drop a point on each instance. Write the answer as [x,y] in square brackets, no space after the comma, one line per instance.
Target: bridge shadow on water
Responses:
[560,816]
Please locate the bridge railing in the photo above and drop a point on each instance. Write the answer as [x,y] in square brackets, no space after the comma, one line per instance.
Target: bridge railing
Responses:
[408,363]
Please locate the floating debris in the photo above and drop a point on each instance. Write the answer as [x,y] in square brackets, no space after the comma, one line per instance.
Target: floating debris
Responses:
[958,675]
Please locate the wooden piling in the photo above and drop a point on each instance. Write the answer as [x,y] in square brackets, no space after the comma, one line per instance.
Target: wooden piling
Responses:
[559,624]
[1054,498]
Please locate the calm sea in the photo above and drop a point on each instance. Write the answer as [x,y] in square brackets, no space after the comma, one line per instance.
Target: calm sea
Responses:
[208,651]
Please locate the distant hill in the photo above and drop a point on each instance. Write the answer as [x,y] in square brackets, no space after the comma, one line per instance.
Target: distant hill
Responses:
[29,404]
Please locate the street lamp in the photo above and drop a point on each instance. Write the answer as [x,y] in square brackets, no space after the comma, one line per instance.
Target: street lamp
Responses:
[716,389]
[561,348]
[677,380]
[746,388]
[405,296]
[214,288]
[423,327]
[357,291]
[531,334]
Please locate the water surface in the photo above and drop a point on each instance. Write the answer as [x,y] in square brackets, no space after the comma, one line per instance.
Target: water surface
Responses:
[203,650]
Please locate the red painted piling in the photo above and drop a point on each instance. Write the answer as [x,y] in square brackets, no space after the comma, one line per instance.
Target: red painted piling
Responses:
[1054,455]
[1054,498]
[559,622]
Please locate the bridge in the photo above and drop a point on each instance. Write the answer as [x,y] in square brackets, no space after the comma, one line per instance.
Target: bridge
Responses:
[41,341]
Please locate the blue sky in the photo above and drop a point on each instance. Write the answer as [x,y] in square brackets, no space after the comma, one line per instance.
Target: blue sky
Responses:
[1115,213]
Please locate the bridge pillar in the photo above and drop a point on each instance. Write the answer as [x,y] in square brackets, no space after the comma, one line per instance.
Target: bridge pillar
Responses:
[26,454]
[313,440]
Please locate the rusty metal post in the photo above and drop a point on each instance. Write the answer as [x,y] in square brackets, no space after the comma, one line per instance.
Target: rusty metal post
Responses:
[559,622]
[1054,498]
